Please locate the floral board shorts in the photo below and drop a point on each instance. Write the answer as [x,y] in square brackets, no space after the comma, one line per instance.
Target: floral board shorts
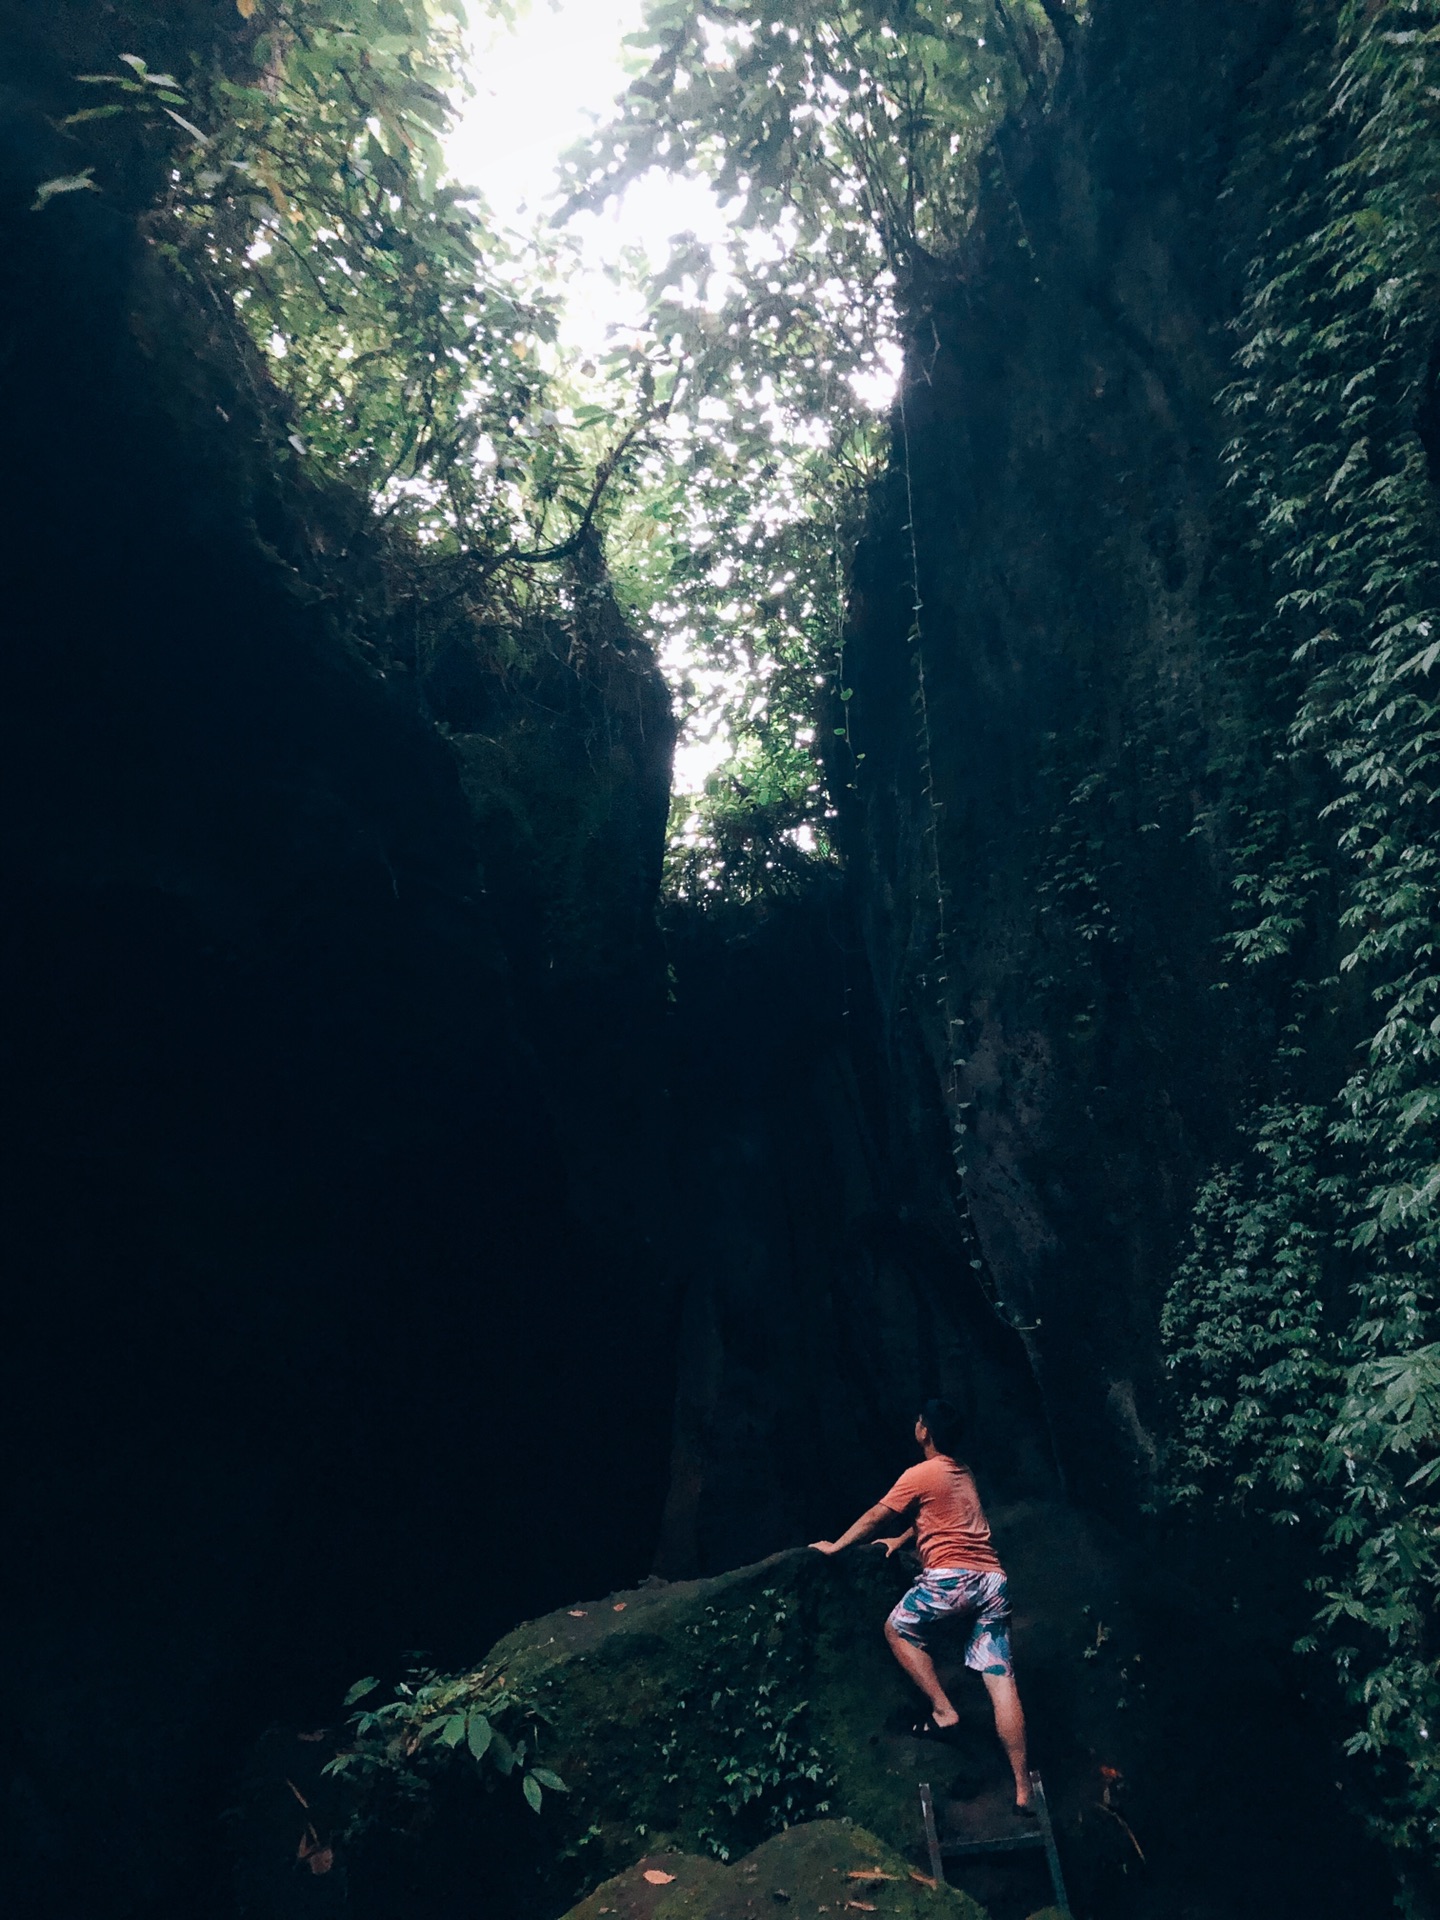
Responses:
[965,1594]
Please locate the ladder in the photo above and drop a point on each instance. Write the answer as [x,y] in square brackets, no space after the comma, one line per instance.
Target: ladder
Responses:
[1042,1834]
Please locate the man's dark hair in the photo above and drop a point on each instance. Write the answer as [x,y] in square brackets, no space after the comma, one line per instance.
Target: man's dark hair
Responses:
[944,1425]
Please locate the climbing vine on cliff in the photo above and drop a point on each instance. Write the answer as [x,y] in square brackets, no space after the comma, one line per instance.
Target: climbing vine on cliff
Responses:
[1303,1325]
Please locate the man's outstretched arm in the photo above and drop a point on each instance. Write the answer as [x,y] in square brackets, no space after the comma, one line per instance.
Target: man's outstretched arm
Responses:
[865,1528]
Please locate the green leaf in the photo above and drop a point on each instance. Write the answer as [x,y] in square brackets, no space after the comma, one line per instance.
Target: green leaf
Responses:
[65,183]
[530,1786]
[360,1689]
[93,113]
[479,1734]
[189,126]
[549,1779]
[453,1732]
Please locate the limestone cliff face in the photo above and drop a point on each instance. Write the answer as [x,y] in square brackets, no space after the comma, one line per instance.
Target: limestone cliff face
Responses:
[1036,836]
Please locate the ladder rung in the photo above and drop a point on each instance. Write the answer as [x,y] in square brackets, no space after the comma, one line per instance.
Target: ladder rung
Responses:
[1042,1835]
[957,1849]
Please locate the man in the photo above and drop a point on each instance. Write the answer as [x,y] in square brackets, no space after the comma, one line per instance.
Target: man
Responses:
[960,1579]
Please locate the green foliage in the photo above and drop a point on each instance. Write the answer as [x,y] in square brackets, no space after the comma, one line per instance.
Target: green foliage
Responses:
[856,127]
[1074,884]
[847,139]
[1289,1408]
[743,1689]
[1304,1323]
[64,183]
[307,192]
[473,1720]
[1250,1341]
[759,487]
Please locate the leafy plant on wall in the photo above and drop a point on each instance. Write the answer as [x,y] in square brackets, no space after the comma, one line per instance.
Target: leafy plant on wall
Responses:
[1303,1324]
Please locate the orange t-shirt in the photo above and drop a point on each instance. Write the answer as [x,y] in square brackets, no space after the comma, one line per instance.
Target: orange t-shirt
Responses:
[950,1529]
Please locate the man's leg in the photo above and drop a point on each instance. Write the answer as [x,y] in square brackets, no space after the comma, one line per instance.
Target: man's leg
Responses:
[921,1669]
[1010,1725]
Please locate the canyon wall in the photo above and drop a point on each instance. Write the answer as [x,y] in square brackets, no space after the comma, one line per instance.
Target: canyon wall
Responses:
[1040,839]
[332,1079]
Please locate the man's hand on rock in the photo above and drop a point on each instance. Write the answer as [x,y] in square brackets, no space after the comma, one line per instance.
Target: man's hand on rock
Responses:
[823,1546]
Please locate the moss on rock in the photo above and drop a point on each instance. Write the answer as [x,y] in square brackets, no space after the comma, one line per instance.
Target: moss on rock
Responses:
[713,1712]
[825,1867]
[702,1718]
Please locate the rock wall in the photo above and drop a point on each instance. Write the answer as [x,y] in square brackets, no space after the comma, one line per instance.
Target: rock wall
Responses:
[330,1206]
[1037,835]
[825,1279]
[989,1074]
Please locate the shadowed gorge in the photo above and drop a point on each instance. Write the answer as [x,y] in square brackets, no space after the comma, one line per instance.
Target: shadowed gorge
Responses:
[448,1209]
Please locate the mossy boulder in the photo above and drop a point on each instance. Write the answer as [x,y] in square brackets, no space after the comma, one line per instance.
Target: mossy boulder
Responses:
[825,1867]
[702,1718]
[713,1711]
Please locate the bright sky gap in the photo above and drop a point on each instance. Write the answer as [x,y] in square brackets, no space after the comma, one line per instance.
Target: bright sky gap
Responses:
[538,88]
